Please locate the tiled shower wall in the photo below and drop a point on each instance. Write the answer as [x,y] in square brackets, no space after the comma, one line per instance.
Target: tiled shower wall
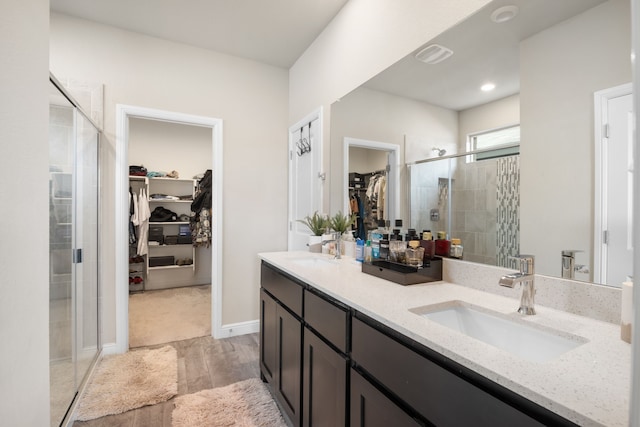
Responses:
[508,224]
[485,202]
[485,209]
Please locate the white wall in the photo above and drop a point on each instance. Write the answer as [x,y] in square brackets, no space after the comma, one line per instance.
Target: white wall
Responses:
[165,146]
[251,99]
[377,116]
[365,37]
[560,70]
[497,114]
[364,160]
[24,245]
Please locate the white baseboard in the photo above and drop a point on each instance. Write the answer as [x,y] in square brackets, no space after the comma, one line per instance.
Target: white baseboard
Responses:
[236,329]
[109,349]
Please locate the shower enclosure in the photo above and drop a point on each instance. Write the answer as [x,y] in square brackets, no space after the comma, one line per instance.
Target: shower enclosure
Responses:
[472,196]
[73,249]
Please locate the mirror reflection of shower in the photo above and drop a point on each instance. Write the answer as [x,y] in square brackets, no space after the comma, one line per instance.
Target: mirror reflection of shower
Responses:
[441,151]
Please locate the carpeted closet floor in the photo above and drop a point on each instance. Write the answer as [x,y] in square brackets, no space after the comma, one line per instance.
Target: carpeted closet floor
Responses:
[162,316]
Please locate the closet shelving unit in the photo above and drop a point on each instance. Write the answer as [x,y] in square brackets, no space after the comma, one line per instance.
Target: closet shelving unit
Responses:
[172,187]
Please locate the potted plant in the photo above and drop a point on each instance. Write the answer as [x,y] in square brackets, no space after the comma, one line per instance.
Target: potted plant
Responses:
[317,224]
[340,223]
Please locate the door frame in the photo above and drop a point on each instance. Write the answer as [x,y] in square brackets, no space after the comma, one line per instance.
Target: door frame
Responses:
[314,115]
[123,114]
[601,119]
[393,175]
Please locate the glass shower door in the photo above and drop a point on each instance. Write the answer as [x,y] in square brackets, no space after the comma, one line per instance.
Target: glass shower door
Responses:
[73,242]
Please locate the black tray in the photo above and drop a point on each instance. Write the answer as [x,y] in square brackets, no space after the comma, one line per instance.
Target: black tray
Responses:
[405,274]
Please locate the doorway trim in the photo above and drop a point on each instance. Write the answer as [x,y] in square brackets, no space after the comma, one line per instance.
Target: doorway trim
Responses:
[601,120]
[123,114]
[393,176]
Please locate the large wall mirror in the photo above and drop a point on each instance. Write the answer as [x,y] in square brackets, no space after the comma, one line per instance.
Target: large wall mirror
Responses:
[561,71]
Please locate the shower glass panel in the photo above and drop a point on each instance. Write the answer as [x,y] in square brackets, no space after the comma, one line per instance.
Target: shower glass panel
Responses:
[475,198]
[73,242]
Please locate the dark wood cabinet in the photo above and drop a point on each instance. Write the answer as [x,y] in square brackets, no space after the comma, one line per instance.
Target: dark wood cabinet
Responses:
[268,353]
[281,342]
[289,363]
[442,392]
[330,365]
[324,384]
[371,408]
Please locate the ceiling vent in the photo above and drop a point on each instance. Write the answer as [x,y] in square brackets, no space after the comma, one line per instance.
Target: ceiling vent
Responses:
[433,54]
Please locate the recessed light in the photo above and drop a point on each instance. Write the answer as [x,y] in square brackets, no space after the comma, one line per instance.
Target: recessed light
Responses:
[487,87]
[504,14]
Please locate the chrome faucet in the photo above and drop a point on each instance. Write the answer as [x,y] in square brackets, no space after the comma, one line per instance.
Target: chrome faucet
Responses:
[336,239]
[526,278]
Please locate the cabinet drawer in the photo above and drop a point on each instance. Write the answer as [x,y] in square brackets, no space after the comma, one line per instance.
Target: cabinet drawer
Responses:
[442,397]
[288,292]
[327,318]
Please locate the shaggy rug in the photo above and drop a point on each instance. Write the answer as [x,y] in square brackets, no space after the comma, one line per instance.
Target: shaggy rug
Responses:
[128,381]
[243,404]
[159,317]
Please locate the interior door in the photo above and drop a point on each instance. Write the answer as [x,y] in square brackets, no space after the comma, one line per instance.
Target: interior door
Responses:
[619,191]
[305,180]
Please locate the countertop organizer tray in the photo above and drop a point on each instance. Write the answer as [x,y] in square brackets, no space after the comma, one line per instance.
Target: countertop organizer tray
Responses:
[405,274]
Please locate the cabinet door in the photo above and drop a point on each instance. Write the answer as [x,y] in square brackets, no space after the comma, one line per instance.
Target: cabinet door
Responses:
[288,381]
[268,331]
[371,408]
[324,384]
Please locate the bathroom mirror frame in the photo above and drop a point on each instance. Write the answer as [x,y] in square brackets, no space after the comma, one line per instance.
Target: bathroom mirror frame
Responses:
[556,116]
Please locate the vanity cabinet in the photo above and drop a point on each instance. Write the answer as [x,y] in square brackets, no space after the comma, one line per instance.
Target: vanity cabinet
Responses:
[303,350]
[440,391]
[281,340]
[330,365]
[326,364]
[371,408]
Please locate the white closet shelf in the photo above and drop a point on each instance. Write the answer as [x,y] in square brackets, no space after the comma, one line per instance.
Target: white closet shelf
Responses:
[169,201]
[171,267]
[169,223]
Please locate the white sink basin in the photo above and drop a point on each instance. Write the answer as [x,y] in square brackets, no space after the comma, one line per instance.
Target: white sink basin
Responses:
[512,335]
[313,262]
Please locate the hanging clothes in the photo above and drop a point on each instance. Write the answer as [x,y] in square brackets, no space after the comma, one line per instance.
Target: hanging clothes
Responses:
[201,212]
[144,213]
[133,239]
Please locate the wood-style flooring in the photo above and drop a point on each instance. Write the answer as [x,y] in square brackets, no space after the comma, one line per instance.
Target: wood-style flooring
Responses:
[203,363]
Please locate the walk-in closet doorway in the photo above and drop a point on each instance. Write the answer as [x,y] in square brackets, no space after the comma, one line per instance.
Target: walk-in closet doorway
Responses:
[131,116]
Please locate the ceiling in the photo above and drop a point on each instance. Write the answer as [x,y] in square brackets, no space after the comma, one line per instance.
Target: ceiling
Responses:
[483,51]
[274,32]
[277,32]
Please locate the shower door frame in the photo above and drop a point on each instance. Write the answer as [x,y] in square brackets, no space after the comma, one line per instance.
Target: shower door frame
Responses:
[80,382]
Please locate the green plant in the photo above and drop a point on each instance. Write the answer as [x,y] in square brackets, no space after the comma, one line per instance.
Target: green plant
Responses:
[340,222]
[317,223]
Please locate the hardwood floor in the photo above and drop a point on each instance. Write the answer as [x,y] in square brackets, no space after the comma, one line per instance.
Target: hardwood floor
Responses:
[203,363]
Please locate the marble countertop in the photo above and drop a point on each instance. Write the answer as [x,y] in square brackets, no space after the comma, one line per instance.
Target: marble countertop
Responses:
[589,385]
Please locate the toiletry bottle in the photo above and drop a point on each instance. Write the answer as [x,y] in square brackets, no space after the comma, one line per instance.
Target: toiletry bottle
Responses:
[428,244]
[360,250]
[443,246]
[456,249]
[384,247]
[367,252]
[376,236]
